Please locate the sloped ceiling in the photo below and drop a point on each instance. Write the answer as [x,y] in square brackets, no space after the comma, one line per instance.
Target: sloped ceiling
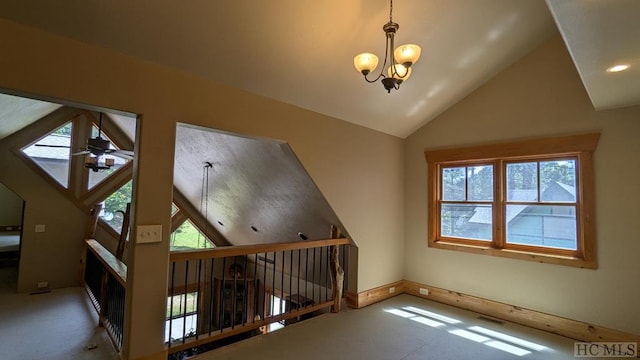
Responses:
[18,112]
[301,52]
[599,35]
[256,191]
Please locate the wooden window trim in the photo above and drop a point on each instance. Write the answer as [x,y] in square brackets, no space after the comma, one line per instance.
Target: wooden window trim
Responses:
[580,147]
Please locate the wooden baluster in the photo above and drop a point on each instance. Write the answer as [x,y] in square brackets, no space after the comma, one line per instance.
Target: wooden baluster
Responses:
[93,223]
[337,273]
[123,233]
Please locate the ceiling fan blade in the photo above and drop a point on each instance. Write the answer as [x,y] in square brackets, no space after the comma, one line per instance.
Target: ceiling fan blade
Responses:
[55,146]
[123,154]
[85,152]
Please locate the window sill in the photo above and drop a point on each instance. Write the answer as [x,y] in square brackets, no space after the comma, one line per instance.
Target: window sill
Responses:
[517,254]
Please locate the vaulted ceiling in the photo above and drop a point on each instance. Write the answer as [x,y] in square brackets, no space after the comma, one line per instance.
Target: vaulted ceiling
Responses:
[301,52]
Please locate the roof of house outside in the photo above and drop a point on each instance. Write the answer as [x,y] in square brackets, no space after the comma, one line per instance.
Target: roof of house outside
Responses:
[46,152]
[483,214]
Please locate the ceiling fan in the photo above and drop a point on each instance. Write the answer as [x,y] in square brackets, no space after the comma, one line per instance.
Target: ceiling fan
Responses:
[96,148]
[99,146]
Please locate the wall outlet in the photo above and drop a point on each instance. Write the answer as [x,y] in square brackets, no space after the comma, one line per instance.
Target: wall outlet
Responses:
[40,228]
[424,291]
[392,290]
[42,285]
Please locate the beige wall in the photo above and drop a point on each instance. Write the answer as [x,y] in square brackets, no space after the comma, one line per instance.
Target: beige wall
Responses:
[359,171]
[540,95]
[51,256]
[10,207]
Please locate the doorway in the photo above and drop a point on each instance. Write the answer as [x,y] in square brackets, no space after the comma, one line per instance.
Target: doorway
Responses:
[11,214]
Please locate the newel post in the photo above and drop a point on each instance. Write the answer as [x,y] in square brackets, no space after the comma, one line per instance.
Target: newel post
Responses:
[337,273]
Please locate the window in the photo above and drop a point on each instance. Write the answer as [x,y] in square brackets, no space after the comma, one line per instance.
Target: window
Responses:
[53,153]
[188,237]
[95,177]
[115,206]
[529,200]
[182,316]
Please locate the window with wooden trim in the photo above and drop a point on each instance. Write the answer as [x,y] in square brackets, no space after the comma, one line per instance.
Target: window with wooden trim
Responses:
[52,153]
[530,200]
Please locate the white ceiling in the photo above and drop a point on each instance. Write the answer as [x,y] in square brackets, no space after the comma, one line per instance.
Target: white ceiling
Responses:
[301,52]
[17,113]
[601,34]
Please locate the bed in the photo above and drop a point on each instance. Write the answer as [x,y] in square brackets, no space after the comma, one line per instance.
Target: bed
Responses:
[9,239]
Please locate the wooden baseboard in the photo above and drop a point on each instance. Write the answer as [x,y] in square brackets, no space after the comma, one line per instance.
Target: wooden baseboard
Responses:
[551,323]
[375,295]
[569,328]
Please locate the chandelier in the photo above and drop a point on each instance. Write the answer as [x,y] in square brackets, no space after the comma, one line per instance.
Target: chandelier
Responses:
[400,59]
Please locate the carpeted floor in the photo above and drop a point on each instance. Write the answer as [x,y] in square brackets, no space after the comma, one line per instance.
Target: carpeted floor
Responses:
[404,327]
[57,325]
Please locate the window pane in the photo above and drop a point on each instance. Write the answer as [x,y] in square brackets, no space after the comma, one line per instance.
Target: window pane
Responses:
[52,153]
[480,179]
[188,237]
[183,304]
[542,225]
[453,184]
[522,182]
[115,206]
[558,180]
[95,177]
[470,221]
[181,325]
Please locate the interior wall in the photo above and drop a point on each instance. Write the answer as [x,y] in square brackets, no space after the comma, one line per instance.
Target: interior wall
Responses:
[10,207]
[51,256]
[359,171]
[540,95]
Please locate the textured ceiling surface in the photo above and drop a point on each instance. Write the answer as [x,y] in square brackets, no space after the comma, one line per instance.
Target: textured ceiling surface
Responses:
[18,112]
[256,191]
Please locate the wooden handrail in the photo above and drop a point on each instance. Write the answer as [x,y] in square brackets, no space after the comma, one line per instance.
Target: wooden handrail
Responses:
[116,267]
[227,332]
[227,251]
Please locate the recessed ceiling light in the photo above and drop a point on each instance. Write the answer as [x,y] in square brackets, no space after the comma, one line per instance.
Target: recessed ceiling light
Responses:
[618,68]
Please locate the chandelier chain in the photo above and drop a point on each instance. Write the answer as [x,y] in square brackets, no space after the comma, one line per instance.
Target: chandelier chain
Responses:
[390,10]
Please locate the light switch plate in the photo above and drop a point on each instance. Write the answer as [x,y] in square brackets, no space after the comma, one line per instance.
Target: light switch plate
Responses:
[148,234]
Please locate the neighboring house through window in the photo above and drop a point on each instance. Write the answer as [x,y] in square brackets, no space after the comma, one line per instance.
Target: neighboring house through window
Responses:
[52,153]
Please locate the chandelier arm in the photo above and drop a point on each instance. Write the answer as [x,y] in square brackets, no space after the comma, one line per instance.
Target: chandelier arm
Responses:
[388,39]
[393,59]
[374,80]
